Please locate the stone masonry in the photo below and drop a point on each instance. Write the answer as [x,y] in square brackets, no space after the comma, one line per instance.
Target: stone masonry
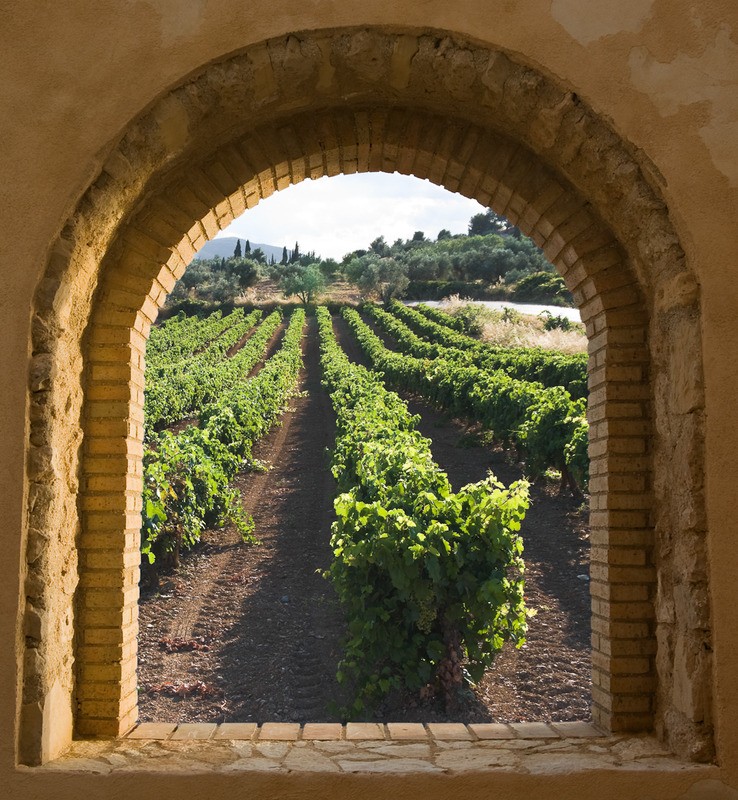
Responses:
[465,117]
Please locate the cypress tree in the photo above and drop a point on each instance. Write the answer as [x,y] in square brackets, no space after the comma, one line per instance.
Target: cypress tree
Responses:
[247,247]
[237,251]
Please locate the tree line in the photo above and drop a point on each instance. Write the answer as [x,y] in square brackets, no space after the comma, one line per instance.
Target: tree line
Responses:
[493,260]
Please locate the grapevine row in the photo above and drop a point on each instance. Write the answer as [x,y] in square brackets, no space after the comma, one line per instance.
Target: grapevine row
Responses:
[187,475]
[525,363]
[543,422]
[442,318]
[409,342]
[184,337]
[174,370]
[427,577]
[188,386]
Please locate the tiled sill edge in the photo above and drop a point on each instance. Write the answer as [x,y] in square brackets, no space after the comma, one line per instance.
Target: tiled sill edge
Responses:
[362,731]
[400,748]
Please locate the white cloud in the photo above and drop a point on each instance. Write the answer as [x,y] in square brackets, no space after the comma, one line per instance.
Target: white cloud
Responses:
[333,216]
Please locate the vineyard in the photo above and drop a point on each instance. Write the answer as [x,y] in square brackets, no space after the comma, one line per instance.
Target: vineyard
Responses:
[361,537]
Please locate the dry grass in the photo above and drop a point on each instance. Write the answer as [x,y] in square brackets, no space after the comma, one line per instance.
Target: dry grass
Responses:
[268,292]
[521,330]
[529,332]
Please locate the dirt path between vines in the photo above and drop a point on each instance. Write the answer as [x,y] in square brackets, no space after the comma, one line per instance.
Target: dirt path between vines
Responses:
[255,629]
[246,633]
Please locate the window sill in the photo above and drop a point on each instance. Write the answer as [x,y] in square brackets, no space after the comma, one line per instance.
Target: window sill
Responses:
[524,748]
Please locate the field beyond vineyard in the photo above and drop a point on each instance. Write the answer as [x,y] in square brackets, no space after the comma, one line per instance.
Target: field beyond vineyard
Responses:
[246,632]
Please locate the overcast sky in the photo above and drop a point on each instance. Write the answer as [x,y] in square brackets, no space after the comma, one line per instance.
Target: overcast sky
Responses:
[333,216]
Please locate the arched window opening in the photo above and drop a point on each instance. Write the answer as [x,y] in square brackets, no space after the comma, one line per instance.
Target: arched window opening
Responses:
[248,631]
[202,155]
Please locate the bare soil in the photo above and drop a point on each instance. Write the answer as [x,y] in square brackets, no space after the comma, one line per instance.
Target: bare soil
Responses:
[253,632]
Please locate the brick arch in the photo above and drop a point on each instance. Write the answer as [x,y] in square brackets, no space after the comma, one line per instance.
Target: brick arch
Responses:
[492,130]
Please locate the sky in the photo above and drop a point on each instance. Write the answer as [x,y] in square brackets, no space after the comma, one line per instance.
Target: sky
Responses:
[333,216]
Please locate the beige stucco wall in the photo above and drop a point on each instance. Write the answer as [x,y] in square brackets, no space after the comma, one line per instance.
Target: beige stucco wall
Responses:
[664,73]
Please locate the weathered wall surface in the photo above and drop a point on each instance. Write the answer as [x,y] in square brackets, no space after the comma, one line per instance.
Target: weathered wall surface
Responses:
[664,74]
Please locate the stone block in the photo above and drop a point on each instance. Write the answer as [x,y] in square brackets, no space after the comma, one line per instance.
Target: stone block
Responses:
[194,730]
[356,731]
[279,731]
[492,730]
[407,730]
[241,731]
[450,731]
[152,730]
[534,730]
[576,730]
[324,731]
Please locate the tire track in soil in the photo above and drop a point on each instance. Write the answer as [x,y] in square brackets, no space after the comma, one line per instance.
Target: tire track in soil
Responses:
[550,677]
[272,625]
[190,618]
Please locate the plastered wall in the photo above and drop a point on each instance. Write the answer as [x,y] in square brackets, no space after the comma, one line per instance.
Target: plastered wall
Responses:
[662,75]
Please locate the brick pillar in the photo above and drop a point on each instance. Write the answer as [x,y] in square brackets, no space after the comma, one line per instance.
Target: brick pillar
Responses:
[622,573]
[109,544]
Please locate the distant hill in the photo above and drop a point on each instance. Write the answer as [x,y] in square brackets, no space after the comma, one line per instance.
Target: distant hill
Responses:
[223,248]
